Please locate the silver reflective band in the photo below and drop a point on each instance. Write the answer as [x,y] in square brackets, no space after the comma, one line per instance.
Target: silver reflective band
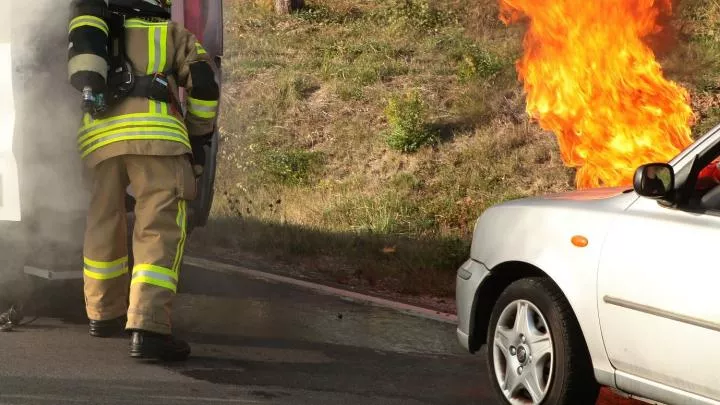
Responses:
[201,108]
[152,119]
[158,49]
[153,275]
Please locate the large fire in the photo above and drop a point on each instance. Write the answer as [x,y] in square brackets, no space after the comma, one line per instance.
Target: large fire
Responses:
[592,80]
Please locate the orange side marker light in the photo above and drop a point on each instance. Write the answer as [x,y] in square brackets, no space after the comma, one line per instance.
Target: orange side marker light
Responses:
[579,241]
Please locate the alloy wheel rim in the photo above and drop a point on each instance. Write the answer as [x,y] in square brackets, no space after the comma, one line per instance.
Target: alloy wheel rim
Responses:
[523,353]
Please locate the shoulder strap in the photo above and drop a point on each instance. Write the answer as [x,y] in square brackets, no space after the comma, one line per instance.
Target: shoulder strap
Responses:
[116,48]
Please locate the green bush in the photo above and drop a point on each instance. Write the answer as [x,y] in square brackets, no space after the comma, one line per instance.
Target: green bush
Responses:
[292,167]
[418,13]
[479,63]
[408,129]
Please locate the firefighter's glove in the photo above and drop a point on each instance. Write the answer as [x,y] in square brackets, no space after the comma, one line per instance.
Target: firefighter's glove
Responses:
[198,144]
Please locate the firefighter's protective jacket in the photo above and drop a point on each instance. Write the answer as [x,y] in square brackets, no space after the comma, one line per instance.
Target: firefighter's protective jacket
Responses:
[137,125]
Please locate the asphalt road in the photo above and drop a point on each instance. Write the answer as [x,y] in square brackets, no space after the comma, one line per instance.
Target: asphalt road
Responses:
[254,342]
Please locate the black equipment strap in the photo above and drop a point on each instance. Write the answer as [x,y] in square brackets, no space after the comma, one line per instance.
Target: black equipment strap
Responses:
[116,23]
[154,87]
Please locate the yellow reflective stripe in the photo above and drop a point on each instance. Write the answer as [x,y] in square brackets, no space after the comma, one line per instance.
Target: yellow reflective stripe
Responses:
[202,108]
[162,48]
[105,276]
[199,49]
[203,103]
[157,48]
[105,265]
[136,136]
[181,221]
[105,270]
[126,117]
[158,107]
[203,114]
[133,129]
[142,125]
[155,269]
[155,275]
[88,20]
[90,24]
[151,51]
[92,128]
[159,283]
[155,107]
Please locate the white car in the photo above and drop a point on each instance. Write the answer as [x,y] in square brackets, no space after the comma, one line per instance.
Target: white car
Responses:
[615,287]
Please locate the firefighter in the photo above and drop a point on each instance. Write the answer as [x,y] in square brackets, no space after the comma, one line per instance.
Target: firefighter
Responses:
[129,60]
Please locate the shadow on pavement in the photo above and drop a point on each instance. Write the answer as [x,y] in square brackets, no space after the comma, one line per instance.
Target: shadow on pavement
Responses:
[297,365]
[402,263]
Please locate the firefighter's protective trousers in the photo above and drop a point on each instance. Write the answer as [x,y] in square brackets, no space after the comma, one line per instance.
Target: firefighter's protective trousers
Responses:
[162,187]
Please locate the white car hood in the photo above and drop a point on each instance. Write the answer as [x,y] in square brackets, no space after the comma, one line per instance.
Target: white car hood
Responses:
[530,226]
[599,199]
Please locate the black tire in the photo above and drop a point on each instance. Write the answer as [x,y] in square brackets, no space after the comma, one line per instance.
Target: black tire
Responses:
[573,381]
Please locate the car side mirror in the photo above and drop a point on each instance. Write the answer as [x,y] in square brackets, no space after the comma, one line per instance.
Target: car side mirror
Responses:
[654,180]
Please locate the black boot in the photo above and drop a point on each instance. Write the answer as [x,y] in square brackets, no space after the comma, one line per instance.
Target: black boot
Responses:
[107,328]
[149,345]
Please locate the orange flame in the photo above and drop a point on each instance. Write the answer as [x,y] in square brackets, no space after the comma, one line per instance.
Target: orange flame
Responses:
[591,80]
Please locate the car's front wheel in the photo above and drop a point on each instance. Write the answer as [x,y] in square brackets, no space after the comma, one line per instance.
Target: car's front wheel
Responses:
[536,351]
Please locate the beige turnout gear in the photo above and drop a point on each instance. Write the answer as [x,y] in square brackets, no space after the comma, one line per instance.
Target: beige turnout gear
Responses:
[162,186]
[140,126]
[145,144]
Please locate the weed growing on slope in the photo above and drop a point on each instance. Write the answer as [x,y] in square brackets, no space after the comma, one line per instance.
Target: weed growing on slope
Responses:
[406,116]
[419,14]
[292,167]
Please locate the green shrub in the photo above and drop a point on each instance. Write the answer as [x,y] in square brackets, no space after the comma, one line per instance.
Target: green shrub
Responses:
[418,13]
[408,129]
[292,167]
[479,63]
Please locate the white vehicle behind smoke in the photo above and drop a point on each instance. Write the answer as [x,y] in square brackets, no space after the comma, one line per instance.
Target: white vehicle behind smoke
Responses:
[9,188]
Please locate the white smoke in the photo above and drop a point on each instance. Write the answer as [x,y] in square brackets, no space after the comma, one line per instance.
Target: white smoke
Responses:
[54,195]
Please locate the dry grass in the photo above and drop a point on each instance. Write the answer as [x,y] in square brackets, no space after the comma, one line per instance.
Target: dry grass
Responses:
[305,168]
